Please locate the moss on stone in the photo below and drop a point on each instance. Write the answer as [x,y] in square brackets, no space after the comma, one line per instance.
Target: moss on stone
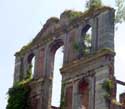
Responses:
[18,95]
[62,102]
[90,13]
[94,4]
[50,21]
[24,49]
[71,14]
[53,20]
[74,18]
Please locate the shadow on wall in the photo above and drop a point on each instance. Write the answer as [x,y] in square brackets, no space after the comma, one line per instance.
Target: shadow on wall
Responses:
[53,107]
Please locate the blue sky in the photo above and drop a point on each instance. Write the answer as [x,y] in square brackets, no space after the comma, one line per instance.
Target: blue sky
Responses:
[21,20]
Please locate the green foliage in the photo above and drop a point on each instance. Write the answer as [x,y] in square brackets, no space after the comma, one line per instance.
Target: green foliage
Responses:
[76,46]
[18,96]
[53,19]
[19,93]
[107,85]
[93,4]
[85,49]
[29,72]
[62,102]
[72,14]
[120,8]
[120,11]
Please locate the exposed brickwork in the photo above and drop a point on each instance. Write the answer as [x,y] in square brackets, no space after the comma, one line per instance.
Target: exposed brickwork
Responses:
[83,73]
[40,63]
[68,97]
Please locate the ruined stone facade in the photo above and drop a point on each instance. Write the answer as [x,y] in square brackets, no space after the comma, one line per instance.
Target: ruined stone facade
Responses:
[82,73]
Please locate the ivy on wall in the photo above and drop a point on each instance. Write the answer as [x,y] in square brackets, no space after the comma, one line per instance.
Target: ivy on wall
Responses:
[107,86]
[18,96]
[19,93]
[72,14]
[62,102]
[93,4]
[85,46]
[29,72]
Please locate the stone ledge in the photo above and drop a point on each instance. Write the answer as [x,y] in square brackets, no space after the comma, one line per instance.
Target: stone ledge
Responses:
[87,59]
[58,29]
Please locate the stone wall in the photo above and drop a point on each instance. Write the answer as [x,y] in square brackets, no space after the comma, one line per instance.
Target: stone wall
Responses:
[93,67]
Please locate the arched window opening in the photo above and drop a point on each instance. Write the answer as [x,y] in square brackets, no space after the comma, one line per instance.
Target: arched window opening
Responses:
[86,39]
[56,86]
[31,66]
[84,94]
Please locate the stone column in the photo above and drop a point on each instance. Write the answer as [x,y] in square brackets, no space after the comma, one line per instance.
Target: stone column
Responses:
[75,96]
[18,69]
[92,92]
[106,29]
[47,93]
[101,75]
[40,63]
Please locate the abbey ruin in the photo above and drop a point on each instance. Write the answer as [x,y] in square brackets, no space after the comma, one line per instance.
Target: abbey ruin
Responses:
[88,80]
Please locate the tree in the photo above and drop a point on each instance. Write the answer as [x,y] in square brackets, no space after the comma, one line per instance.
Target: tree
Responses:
[93,4]
[120,11]
[119,5]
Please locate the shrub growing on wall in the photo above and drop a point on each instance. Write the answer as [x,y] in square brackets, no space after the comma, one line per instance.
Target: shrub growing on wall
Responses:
[108,86]
[18,96]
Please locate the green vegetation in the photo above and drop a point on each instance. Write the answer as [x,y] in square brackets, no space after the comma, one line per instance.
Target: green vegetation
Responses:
[120,8]
[62,102]
[85,47]
[74,17]
[93,4]
[76,46]
[53,19]
[120,11]
[88,13]
[29,72]
[18,96]
[108,85]
[19,93]
[72,14]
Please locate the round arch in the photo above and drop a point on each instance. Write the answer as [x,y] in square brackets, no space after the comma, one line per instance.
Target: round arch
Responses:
[31,65]
[52,50]
[86,39]
[83,90]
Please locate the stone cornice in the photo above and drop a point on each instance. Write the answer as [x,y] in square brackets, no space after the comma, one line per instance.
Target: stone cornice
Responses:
[85,60]
[42,39]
